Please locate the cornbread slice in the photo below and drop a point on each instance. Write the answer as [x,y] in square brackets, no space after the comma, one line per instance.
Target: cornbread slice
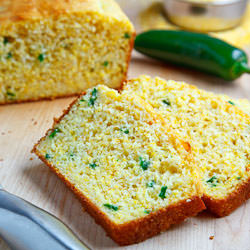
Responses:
[131,172]
[218,131]
[59,48]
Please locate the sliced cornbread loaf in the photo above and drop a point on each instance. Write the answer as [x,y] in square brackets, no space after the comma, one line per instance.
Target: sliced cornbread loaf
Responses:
[218,131]
[60,48]
[132,174]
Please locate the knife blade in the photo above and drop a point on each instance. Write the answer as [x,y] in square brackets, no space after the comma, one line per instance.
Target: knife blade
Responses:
[25,226]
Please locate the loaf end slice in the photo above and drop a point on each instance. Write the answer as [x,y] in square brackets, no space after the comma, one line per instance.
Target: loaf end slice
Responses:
[130,171]
[60,48]
[219,133]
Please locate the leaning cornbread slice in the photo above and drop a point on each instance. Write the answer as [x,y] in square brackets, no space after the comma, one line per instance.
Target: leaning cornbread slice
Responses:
[218,131]
[131,172]
[59,48]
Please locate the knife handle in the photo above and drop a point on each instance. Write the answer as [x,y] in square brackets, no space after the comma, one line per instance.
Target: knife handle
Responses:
[24,226]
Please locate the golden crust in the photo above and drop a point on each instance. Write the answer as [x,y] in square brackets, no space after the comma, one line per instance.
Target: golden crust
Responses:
[137,230]
[225,206]
[16,10]
[38,99]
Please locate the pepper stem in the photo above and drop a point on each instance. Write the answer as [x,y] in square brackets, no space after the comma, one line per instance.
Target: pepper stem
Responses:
[245,67]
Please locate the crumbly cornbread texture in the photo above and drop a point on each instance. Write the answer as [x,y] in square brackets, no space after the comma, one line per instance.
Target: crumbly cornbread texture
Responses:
[60,48]
[219,133]
[133,174]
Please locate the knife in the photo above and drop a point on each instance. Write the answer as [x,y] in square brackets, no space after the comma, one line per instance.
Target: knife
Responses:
[25,226]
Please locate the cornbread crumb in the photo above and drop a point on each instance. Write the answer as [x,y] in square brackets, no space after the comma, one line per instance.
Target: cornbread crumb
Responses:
[60,48]
[219,133]
[211,237]
[129,169]
[31,159]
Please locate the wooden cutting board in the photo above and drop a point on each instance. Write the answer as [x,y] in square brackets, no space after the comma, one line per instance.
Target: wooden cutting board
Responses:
[24,175]
[21,173]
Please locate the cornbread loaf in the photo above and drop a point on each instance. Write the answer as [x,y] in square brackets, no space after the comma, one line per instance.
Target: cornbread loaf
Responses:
[59,48]
[131,172]
[218,131]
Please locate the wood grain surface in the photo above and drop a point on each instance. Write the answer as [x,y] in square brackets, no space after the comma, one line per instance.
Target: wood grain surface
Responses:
[24,175]
[21,173]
